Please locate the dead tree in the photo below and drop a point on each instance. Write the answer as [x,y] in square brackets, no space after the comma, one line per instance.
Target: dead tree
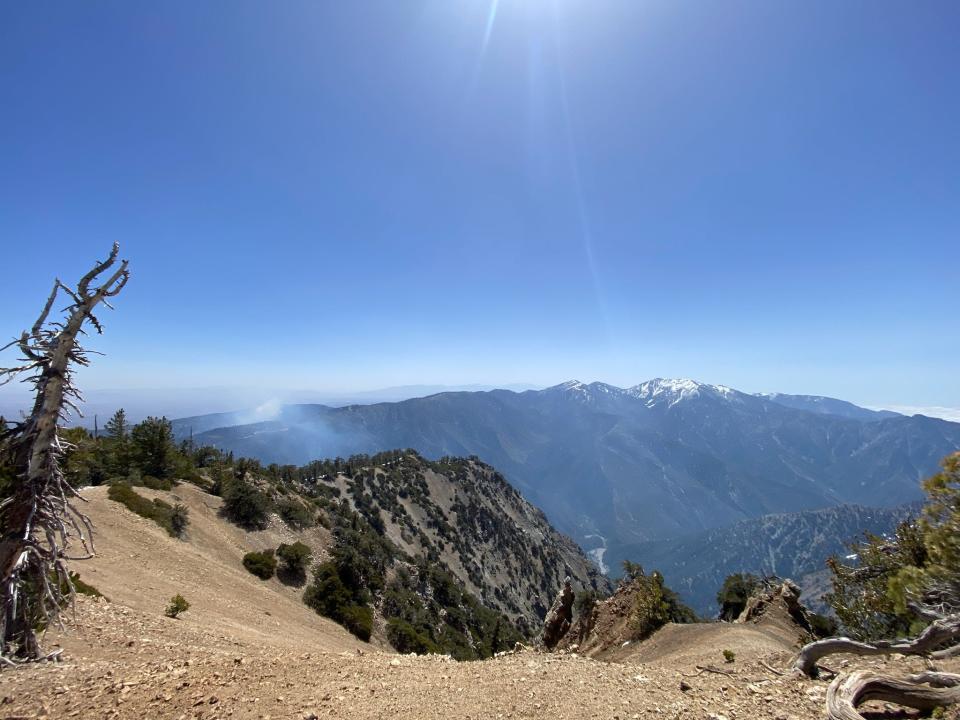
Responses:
[941,632]
[39,519]
[923,691]
[940,604]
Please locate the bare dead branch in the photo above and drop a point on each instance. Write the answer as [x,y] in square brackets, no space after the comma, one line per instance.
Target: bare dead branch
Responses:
[772,669]
[938,633]
[101,266]
[35,331]
[41,523]
[846,694]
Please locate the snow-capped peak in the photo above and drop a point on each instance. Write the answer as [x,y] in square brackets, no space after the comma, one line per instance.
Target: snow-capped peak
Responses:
[653,392]
[584,390]
[672,391]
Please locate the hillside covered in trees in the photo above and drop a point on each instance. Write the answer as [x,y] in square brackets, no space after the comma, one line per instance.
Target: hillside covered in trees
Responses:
[439,555]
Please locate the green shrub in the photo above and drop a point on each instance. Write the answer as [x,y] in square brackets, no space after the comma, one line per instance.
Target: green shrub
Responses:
[655,604]
[262,564]
[632,570]
[405,638]
[358,619]
[585,601]
[330,597]
[295,514]
[729,656]
[327,593]
[157,510]
[244,505]
[84,588]
[79,586]
[732,597]
[823,626]
[295,559]
[177,605]
[153,483]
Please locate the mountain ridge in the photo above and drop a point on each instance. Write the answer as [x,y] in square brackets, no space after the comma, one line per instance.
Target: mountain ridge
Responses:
[612,466]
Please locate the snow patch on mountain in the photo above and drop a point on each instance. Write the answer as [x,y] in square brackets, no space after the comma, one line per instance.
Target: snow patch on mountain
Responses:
[672,391]
[586,391]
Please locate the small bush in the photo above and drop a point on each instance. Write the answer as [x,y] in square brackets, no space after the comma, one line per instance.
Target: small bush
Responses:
[262,564]
[244,505]
[295,559]
[79,586]
[732,597]
[179,519]
[157,510]
[178,604]
[295,514]
[729,656]
[156,484]
[655,604]
[84,588]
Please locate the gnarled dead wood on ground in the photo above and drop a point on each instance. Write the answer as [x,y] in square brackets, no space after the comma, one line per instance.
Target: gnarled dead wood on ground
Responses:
[39,519]
[937,634]
[925,691]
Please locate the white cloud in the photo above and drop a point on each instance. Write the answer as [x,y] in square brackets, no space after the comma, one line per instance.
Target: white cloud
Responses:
[937,411]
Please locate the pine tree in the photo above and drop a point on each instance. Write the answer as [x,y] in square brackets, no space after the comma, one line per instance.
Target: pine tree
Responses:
[153,449]
[116,426]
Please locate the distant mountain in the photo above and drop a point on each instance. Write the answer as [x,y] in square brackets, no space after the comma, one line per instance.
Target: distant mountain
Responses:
[790,545]
[616,466]
[828,406]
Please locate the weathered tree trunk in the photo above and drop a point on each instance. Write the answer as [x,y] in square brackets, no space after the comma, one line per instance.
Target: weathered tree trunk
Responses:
[937,634]
[39,520]
[925,691]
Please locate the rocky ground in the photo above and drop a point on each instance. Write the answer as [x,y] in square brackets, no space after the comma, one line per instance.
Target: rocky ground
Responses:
[120,663]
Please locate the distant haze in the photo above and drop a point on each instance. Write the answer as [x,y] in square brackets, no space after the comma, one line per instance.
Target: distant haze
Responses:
[258,404]
[262,404]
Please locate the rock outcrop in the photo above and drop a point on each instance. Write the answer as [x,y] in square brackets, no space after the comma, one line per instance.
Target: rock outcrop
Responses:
[559,617]
[779,603]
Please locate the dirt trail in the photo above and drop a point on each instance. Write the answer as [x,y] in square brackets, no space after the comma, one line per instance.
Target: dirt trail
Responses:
[228,658]
[691,645]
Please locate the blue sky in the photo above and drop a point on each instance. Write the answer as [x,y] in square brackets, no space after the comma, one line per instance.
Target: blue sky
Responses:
[350,195]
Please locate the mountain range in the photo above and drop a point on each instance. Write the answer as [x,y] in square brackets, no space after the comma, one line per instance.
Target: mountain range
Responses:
[619,467]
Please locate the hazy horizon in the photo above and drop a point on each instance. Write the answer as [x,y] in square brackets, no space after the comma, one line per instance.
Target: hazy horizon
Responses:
[186,402]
